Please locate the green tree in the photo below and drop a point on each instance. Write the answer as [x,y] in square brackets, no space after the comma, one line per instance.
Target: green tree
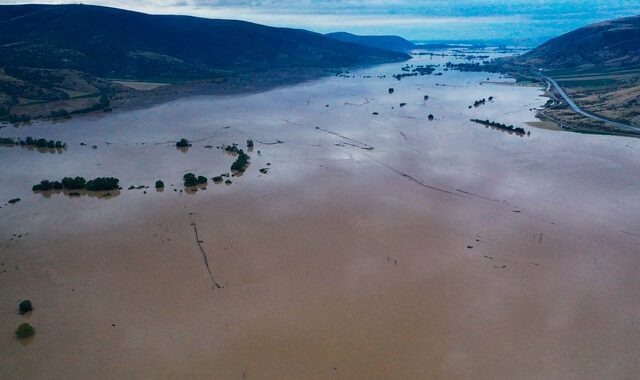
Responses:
[25,307]
[25,330]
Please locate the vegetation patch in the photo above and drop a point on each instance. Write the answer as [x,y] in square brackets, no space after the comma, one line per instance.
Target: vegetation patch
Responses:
[481,102]
[102,184]
[191,180]
[502,127]
[79,183]
[24,331]
[241,162]
[25,307]
[30,141]
[475,67]
[183,143]
[415,70]
[60,114]
[46,185]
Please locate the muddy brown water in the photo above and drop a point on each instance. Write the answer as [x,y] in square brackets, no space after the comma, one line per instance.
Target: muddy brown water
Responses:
[448,251]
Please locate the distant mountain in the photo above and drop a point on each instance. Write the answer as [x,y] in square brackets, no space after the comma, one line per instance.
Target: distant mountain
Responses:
[611,43]
[55,57]
[111,42]
[389,43]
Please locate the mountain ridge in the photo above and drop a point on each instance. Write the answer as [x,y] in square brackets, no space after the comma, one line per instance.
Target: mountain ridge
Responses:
[383,42]
[608,43]
[38,43]
[110,41]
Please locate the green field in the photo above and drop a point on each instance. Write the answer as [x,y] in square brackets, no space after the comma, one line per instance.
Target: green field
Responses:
[603,77]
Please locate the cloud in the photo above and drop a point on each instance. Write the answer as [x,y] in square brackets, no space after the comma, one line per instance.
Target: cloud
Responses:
[431,19]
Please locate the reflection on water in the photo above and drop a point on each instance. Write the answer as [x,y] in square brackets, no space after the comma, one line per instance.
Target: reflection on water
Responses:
[107,194]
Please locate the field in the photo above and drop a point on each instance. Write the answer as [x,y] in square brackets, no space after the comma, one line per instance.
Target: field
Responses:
[613,92]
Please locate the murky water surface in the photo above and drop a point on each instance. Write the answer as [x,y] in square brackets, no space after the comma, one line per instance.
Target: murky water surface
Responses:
[376,246]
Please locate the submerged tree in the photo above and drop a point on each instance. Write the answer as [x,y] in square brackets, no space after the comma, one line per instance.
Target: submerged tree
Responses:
[102,184]
[25,307]
[25,330]
[190,180]
[73,183]
[183,143]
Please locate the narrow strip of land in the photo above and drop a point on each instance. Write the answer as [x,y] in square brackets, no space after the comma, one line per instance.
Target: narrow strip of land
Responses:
[204,256]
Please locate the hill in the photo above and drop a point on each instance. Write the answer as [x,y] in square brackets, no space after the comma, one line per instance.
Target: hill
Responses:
[389,43]
[614,43]
[43,46]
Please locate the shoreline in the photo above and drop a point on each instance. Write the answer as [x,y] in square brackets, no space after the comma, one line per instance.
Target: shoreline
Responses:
[239,84]
[562,113]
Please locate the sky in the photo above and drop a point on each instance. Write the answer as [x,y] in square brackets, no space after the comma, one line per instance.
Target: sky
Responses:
[519,22]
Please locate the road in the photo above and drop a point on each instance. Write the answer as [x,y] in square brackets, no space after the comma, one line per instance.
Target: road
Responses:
[577,109]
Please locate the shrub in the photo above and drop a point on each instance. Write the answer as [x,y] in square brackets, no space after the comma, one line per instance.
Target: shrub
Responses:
[217,179]
[25,307]
[44,185]
[62,114]
[159,184]
[25,330]
[102,183]
[183,143]
[190,180]
[232,149]
[7,140]
[249,143]
[241,162]
[201,180]
[73,183]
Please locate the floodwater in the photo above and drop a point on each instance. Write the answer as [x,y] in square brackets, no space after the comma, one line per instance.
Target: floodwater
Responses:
[447,251]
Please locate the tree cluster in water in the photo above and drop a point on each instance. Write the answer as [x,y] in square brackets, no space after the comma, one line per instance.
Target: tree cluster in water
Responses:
[79,183]
[504,127]
[415,70]
[241,162]
[191,180]
[30,141]
[183,143]
[474,67]
[481,102]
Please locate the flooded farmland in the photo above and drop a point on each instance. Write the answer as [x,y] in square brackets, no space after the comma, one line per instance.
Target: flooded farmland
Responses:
[375,244]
